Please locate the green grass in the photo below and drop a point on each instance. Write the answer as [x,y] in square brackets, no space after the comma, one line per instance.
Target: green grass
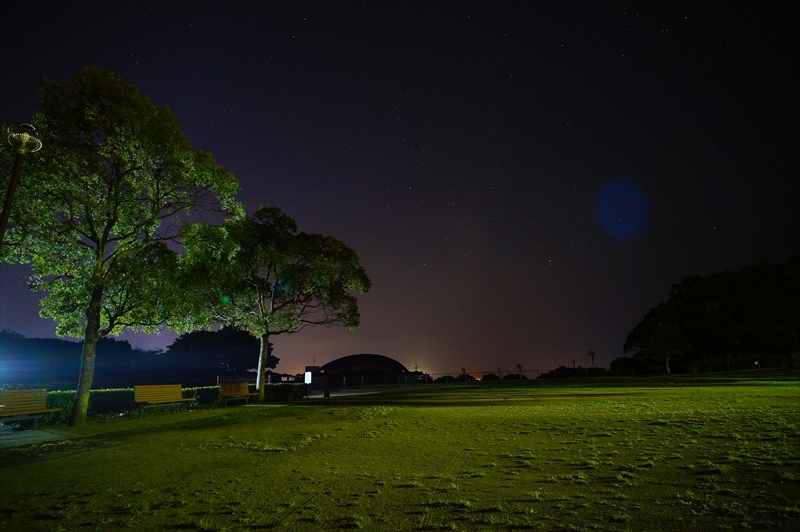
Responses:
[695,456]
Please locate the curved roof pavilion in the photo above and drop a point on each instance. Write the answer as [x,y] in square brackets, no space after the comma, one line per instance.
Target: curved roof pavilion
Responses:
[363,362]
[364,369]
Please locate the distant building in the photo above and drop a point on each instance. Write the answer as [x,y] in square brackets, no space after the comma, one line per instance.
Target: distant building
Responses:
[270,377]
[278,378]
[363,369]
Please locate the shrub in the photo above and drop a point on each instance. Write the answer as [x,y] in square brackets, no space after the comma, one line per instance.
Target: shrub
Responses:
[284,392]
[101,403]
[203,395]
[116,401]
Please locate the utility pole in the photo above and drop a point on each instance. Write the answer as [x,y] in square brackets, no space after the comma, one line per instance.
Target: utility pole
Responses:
[24,139]
[591,354]
[519,368]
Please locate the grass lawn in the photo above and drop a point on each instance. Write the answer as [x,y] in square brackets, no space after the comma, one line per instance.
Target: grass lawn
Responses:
[631,454]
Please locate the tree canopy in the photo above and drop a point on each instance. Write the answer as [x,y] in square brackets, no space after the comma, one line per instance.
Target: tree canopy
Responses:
[750,313]
[95,209]
[269,279]
[233,347]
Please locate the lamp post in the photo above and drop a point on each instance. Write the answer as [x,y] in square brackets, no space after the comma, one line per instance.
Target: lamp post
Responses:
[24,139]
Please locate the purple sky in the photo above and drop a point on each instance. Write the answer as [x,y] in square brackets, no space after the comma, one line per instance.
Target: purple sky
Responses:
[522,181]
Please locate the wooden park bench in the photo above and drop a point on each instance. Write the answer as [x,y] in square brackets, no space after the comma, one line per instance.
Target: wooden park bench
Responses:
[20,405]
[155,395]
[231,391]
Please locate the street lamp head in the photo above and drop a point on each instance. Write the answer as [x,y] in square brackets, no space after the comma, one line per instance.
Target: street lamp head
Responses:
[24,138]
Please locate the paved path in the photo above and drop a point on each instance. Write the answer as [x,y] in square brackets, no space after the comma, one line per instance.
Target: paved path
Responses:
[13,438]
[26,437]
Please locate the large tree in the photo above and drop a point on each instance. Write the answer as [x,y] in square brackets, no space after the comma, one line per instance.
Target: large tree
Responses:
[228,346]
[95,208]
[750,313]
[659,336]
[268,279]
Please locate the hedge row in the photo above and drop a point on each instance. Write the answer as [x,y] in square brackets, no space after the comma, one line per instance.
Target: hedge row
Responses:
[119,401]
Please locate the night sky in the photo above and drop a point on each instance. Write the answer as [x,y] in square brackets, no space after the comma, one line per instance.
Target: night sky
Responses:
[521,181]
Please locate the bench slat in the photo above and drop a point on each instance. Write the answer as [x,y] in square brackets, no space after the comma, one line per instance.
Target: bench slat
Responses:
[158,393]
[231,391]
[151,395]
[235,389]
[17,402]
[21,405]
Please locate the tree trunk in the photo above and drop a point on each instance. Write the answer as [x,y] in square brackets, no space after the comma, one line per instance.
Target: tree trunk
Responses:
[705,359]
[259,369]
[262,366]
[88,353]
[666,363]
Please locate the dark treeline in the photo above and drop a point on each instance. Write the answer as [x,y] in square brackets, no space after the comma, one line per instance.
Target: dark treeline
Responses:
[564,372]
[194,359]
[733,320]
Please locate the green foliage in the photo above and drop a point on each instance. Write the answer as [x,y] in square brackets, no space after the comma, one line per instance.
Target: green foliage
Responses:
[285,392]
[101,403]
[203,395]
[751,313]
[270,279]
[90,212]
[229,347]
[116,401]
[96,206]
[62,400]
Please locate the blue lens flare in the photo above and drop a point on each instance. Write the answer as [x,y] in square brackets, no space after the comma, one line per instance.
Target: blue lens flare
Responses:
[623,209]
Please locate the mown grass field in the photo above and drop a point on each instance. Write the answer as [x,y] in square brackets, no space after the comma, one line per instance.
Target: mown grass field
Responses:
[628,455]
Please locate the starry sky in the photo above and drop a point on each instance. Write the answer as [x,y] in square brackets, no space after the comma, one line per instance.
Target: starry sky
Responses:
[521,180]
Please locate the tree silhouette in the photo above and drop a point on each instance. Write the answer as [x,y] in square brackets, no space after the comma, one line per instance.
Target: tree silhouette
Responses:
[230,346]
[750,312]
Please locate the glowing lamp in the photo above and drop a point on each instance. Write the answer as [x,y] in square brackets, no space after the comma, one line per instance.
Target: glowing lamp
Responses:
[24,138]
